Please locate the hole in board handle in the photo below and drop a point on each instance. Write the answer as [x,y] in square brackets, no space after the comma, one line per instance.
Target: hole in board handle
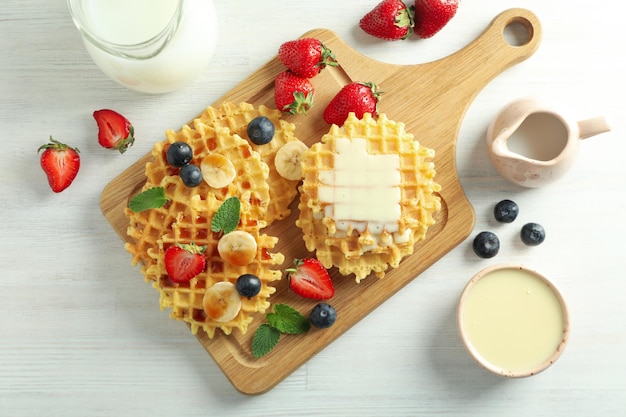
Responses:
[518,32]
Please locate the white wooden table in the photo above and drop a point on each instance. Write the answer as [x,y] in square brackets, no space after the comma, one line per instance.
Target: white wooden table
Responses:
[81,334]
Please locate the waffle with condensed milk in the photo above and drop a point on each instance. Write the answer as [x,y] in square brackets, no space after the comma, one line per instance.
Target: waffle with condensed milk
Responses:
[368,196]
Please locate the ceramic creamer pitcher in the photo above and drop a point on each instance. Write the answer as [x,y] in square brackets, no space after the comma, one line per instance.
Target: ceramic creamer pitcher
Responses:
[531,144]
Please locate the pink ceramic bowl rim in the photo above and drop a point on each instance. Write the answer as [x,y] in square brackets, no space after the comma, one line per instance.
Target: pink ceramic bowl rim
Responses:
[473,351]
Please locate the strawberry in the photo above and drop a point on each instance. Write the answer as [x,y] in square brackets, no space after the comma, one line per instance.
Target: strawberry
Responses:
[306,57]
[293,94]
[356,97]
[183,262]
[114,130]
[60,162]
[390,20]
[310,279]
[432,15]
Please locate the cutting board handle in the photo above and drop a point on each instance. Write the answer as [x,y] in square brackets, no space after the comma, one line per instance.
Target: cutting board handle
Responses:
[491,52]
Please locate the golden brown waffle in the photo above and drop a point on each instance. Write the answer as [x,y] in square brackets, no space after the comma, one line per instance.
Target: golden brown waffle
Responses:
[185,300]
[186,218]
[250,184]
[353,251]
[236,118]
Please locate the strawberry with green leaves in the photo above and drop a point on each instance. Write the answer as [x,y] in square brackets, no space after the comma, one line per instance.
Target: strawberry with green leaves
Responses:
[183,262]
[390,20]
[60,162]
[309,279]
[293,94]
[432,15]
[306,57]
[356,97]
[114,130]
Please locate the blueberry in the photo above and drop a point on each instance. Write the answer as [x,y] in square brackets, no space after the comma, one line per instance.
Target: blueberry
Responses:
[179,154]
[486,245]
[533,234]
[323,315]
[261,130]
[248,285]
[506,211]
[191,175]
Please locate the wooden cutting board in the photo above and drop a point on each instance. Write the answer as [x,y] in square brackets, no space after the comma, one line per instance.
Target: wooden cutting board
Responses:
[431,100]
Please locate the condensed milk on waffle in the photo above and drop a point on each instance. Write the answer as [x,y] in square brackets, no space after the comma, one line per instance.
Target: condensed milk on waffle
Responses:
[368,195]
[346,191]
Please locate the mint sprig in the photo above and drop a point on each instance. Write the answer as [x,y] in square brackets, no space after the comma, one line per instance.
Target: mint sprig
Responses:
[284,320]
[149,199]
[288,320]
[265,339]
[226,218]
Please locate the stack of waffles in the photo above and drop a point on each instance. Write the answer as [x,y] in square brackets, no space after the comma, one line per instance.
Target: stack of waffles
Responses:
[186,218]
[367,197]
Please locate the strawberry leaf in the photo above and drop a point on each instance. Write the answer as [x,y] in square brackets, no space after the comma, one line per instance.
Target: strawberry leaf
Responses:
[288,320]
[149,199]
[226,218]
[265,339]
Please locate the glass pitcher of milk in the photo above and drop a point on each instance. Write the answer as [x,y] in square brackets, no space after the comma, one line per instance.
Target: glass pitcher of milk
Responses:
[152,46]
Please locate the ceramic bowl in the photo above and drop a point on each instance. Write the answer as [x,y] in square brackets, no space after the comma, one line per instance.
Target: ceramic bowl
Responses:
[512,320]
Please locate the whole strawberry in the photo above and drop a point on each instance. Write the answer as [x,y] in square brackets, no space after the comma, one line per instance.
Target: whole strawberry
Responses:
[432,15]
[390,20]
[306,57]
[292,93]
[60,162]
[356,97]
[114,130]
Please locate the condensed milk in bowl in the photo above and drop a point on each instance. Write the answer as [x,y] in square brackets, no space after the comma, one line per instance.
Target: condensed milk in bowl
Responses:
[512,320]
[151,46]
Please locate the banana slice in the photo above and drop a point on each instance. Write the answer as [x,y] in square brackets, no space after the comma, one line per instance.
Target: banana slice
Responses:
[288,159]
[237,248]
[217,170]
[221,302]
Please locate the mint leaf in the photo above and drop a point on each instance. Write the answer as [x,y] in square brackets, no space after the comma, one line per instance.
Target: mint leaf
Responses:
[149,199]
[285,320]
[264,340]
[288,320]
[226,218]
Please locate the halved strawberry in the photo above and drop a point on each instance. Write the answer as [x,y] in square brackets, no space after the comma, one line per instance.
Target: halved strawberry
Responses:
[310,279]
[114,130]
[183,262]
[60,162]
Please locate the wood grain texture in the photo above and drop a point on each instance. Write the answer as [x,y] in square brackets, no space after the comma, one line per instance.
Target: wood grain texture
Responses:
[431,99]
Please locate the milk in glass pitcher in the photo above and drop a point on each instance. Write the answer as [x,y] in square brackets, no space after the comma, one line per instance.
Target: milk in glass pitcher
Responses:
[152,46]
